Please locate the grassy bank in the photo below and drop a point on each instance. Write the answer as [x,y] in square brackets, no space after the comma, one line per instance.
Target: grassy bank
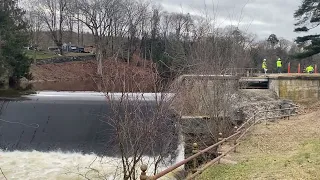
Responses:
[15,93]
[288,149]
[38,55]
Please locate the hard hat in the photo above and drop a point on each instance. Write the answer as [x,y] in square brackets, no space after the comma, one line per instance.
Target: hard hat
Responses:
[264,60]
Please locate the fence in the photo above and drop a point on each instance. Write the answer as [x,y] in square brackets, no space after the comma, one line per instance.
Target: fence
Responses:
[249,72]
[239,133]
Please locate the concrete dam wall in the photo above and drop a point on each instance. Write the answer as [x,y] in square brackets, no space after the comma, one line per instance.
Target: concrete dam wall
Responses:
[296,87]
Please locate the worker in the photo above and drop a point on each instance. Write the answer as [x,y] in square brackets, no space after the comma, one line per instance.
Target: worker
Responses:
[279,65]
[309,69]
[264,66]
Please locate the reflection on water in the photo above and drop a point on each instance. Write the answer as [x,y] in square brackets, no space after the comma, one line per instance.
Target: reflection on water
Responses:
[73,121]
[65,86]
[91,85]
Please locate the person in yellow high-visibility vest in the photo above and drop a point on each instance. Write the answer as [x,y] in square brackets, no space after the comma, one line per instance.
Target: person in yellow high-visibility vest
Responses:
[309,69]
[279,65]
[264,66]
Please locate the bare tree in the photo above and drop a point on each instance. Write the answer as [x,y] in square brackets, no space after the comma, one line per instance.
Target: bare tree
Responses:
[36,27]
[70,23]
[53,14]
[144,127]
[180,23]
[97,16]
[136,12]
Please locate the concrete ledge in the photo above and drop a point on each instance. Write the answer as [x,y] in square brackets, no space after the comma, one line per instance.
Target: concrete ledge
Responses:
[294,76]
[254,79]
[208,77]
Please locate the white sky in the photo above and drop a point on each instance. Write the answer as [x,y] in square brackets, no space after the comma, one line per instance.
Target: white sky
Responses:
[262,17]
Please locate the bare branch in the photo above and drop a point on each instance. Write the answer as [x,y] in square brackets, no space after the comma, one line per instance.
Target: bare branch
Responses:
[3,174]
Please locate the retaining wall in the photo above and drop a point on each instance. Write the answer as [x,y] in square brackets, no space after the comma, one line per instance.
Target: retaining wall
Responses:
[64,59]
[297,88]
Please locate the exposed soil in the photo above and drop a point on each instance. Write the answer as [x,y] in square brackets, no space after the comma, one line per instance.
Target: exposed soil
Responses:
[118,76]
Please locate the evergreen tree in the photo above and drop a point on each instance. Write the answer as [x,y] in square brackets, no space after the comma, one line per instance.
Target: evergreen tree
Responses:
[13,37]
[273,40]
[308,17]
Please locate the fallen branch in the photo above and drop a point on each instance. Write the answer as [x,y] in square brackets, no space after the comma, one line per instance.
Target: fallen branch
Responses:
[3,174]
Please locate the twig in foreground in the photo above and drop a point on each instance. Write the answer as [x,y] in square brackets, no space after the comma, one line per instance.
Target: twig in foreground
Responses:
[3,174]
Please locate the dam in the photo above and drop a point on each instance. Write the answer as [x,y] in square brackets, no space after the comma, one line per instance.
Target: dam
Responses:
[65,121]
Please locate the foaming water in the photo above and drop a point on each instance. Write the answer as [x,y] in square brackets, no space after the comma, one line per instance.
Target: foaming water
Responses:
[37,165]
[56,115]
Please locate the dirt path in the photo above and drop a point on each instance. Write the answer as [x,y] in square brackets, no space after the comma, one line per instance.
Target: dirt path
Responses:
[286,149]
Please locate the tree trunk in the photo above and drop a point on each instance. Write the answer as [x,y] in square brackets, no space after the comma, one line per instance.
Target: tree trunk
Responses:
[99,60]
[61,51]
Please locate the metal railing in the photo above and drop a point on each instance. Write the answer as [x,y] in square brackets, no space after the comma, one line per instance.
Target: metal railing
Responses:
[239,133]
[248,72]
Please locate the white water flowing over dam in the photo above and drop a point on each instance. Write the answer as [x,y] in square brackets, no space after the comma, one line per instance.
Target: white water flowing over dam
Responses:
[35,165]
[60,136]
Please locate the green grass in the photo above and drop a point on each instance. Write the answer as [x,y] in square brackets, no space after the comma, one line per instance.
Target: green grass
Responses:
[11,93]
[78,54]
[302,164]
[38,55]
[285,150]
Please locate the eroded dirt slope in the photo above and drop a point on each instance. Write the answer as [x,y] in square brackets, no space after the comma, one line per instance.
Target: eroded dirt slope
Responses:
[117,75]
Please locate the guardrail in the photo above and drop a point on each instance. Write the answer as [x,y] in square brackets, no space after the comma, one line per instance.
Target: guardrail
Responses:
[249,72]
[241,131]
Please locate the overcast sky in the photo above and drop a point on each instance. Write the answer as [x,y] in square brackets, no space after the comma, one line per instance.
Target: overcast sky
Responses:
[262,17]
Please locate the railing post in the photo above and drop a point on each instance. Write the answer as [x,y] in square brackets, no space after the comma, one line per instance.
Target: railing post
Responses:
[219,147]
[265,117]
[143,175]
[235,139]
[289,114]
[195,150]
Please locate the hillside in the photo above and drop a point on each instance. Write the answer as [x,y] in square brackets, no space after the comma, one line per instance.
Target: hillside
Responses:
[81,75]
[287,149]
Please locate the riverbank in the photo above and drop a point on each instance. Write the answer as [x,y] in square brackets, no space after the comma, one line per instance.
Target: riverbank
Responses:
[287,149]
[117,76]
[69,135]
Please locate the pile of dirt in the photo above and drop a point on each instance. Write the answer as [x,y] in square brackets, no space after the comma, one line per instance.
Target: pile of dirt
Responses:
[117,76]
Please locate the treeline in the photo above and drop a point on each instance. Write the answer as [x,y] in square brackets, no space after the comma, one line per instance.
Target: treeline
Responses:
[176,42]
[14,35]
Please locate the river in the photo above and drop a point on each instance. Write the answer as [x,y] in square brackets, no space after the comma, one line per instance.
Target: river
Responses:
[63,135]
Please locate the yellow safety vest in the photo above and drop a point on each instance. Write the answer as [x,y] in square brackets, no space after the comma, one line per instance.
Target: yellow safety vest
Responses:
[279,64]
[309,69]
[264,65]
